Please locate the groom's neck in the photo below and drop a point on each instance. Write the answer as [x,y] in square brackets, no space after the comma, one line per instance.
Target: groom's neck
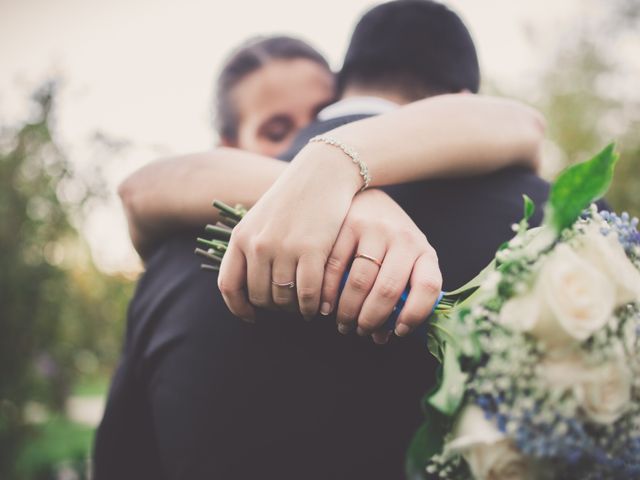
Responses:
[392,96]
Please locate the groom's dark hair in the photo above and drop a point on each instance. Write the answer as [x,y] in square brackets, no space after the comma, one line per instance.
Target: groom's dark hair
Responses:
[415,47]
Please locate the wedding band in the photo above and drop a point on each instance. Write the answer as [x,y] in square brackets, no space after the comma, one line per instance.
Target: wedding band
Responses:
[370,258]
[285,285]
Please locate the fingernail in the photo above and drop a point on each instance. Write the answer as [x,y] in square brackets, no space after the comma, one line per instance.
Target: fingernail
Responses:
[360,331]
[325,308]
[380,340]
[401,330]
[343,329]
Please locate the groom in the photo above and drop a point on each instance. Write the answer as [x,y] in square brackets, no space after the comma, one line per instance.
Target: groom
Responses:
[200,394]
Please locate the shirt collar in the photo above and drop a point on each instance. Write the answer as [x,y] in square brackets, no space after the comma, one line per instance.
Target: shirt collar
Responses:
[356,106]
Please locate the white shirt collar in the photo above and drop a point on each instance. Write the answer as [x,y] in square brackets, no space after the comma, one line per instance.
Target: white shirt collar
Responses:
[356,106]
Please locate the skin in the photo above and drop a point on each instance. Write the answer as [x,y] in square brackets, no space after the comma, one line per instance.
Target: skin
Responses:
[276,101]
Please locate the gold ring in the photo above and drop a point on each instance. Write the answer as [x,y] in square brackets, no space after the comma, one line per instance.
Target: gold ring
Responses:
[370,258]
[285,285]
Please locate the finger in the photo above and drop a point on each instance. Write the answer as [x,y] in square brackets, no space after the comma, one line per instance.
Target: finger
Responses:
[283,271]
[335,268]
[259,281]
[232,282]
[391,281]
[381,337]
[426,285]
[309,283]
[361,278]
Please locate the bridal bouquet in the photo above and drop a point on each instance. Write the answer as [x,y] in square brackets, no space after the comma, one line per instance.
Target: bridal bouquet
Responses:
[540,374]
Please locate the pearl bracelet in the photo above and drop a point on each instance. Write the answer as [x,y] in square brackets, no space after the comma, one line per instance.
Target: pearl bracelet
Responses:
[349,152]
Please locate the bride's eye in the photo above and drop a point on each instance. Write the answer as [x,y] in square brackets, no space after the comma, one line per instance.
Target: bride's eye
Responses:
[276,129]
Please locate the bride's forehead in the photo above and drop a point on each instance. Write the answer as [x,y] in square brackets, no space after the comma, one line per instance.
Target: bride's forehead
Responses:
[284,83]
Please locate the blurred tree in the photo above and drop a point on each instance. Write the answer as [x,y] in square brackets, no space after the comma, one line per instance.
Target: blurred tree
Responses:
[59,316]
[585,96]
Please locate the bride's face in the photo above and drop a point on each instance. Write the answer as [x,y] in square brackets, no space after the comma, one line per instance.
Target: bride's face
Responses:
[277,100]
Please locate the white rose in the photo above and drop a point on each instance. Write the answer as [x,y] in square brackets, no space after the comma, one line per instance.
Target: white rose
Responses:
[606,395]
[602,391]
[564,372]
[607,254]
[488,452]
[576,299]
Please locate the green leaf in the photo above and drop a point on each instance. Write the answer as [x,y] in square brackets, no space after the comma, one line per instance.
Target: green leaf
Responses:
[434,346]
[473,284]
[529,207]
[529,210]
[450,393]
[578,186]
[427,442]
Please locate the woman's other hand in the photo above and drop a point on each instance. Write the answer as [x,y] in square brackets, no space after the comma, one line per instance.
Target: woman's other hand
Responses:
[393,253]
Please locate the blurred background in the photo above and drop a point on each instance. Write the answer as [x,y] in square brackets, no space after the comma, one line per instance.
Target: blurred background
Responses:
[91,90]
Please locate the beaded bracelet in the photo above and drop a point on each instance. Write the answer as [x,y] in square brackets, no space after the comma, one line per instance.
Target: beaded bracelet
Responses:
[349,152]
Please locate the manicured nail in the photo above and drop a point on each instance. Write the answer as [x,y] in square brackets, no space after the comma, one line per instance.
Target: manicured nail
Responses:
[401,330]
[381,339]
[343,329]
[325,308]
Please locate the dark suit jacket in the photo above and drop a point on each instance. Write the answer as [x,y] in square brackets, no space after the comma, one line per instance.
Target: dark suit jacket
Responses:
[199,394]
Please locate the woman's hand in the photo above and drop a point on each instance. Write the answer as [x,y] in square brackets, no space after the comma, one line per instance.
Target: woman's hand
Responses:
[383,233]
[288,235]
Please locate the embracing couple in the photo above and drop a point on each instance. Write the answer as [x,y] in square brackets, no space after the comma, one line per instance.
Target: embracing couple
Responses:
[393,169]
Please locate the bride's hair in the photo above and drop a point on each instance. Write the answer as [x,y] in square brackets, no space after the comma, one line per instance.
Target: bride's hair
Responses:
[245,59]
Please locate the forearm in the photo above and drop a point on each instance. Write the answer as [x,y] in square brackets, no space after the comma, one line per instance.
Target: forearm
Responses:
[447,135]
[176,192]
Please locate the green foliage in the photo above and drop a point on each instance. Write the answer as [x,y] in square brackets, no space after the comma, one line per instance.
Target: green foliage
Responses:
[55,445]
[427,442]
[434,346]
[450,392]
[60,318]
[529,208]
[578,186]
[421,449]
[573,102]
[624,194]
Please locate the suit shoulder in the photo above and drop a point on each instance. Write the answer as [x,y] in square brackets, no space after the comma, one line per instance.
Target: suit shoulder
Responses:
[172,280]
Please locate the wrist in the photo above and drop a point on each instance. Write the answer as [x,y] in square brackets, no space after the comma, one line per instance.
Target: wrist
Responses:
[330,166]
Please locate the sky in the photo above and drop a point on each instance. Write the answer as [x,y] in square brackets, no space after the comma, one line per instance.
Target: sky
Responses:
[141,71]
